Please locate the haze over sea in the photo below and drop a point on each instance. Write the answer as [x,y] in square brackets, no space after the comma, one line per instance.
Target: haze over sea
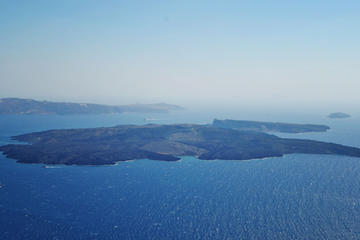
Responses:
[293,197]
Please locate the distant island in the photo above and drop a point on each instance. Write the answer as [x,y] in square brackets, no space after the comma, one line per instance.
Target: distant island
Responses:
[269,126]
[108,145]
[338,115]
[29,106]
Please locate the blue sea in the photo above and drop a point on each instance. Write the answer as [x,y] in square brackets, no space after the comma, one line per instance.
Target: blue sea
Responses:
[297,196]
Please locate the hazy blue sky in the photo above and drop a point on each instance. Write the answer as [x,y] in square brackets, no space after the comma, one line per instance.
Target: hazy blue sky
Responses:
[271,52]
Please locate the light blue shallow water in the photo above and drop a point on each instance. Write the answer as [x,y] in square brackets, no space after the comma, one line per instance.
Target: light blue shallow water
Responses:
[293,197]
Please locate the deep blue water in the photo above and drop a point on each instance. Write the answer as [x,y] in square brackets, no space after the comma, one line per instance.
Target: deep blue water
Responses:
[293,197]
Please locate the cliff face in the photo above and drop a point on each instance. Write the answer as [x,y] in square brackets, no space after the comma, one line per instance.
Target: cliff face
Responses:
[99,146]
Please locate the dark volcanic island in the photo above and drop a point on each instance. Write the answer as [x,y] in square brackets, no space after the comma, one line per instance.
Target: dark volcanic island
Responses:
[269,126]
[99,146]
[338,115]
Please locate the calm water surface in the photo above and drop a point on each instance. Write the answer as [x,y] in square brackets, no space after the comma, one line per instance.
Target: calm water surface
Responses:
[293,197]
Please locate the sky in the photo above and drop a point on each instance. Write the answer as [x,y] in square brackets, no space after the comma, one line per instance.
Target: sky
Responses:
[186,52]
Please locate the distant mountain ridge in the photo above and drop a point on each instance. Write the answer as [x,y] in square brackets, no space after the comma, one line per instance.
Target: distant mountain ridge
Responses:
[30,106]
